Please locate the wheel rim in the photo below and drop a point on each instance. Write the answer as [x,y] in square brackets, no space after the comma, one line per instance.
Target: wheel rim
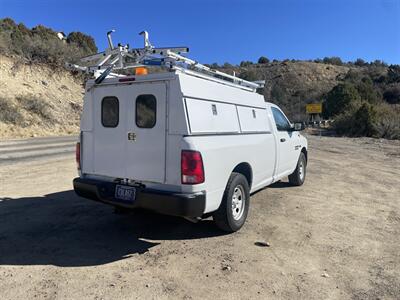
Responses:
[301,170]
[238,202]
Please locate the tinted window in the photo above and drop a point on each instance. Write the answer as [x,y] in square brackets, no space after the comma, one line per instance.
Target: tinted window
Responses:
[110,112]
[146,108]
[282,123]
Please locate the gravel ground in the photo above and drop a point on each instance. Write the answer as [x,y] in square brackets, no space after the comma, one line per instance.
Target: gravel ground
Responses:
[336,237]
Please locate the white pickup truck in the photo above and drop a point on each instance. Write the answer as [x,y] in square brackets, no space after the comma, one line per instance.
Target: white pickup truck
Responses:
[184,143]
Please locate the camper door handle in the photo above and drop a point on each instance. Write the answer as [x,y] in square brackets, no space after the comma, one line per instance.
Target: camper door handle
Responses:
[283,140]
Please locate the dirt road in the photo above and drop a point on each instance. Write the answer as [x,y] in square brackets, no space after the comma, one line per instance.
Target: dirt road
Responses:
[336,237]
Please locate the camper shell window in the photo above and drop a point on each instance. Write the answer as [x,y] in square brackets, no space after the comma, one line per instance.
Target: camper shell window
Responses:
[110,112]
[146,111]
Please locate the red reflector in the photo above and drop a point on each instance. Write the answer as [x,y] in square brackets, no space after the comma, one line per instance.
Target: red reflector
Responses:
[126,79]
[78,155]
[192,169]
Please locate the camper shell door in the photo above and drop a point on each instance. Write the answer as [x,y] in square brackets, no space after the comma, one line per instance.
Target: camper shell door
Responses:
[130,130]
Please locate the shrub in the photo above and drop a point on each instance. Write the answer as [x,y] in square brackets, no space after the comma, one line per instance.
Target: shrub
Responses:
[82,41]
[227,65]
[9,113]
[388,123]
[333,61]
[250,75]
[358,120]
[378,63]
[41,44]
[360,62]
[393,74]
[245,63]
[392,94]
[339,99]
[367,91]
[37,106]
[263,60]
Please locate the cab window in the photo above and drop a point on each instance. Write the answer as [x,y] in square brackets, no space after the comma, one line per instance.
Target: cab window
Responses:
[110,112]
[282,124]
[146,111]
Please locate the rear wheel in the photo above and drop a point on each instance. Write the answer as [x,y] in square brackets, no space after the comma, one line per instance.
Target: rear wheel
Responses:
[298,177]
[234,207]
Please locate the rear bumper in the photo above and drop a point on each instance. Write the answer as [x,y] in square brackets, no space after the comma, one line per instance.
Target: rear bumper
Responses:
[170,203]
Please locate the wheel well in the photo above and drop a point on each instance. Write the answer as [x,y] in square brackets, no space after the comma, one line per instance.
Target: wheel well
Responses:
[246,171]
[304,150]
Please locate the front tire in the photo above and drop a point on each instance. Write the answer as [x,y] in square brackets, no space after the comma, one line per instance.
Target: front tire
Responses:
[232,213]
[298,177]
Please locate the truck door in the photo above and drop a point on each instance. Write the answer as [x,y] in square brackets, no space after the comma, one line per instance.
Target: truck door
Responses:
[287,153]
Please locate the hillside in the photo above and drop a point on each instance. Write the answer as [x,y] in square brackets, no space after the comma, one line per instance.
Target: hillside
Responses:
[37,95]
[36,100]
[294,83]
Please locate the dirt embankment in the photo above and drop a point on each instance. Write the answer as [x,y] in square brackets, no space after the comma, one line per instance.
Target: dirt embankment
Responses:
[37,100]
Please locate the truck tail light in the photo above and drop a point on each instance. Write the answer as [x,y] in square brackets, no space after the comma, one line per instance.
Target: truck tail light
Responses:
[192,169]
[78,155]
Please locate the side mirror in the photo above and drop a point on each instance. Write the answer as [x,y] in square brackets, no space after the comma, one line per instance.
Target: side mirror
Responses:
[299,126]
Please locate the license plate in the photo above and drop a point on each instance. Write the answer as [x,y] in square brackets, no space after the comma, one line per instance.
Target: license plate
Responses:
[125,193]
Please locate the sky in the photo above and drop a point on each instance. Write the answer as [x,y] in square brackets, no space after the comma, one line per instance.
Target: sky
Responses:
[230,31]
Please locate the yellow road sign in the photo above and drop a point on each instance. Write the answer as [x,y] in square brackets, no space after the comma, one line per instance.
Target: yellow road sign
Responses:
[314,108]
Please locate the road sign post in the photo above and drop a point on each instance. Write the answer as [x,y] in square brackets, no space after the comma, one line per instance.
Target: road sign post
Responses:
[314,109]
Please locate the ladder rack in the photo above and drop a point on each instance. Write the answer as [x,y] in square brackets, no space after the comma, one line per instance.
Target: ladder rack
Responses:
[121,57]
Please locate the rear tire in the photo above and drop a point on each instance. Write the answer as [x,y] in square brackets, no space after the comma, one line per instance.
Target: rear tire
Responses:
[298,177]
[232,213]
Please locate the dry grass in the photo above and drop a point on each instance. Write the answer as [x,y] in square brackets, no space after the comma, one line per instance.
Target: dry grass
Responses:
[9,113]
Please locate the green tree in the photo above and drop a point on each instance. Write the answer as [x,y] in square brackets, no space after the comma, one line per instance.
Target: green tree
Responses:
[367,91]
[334,60]
[359,120]
[7,24]
[227,65]
[364,120]
[263,60]
[393,73]
[360,62]
[392,94]
[44,32]
[245,63]
[340,98]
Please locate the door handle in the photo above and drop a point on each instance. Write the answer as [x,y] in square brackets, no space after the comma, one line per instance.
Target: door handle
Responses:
[283,140]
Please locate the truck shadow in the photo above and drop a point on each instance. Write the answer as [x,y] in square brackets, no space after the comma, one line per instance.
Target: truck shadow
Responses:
[281,185]
[63,229]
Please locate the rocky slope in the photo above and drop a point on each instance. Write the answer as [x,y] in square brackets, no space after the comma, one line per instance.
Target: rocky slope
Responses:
[36,100]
